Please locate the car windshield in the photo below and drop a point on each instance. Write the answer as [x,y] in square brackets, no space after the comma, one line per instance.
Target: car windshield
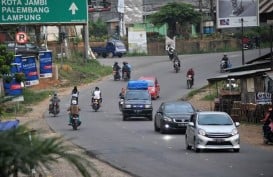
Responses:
[119,44]
[214,119]
[137,95]
[178,108]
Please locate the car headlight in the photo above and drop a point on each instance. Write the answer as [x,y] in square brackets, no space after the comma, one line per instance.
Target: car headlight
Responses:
[202,132]
[234,132]
[148,105]
[167,119]
[127,106]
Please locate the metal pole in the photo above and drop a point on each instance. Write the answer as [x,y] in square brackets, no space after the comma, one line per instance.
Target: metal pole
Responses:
[271,54]
[242,41]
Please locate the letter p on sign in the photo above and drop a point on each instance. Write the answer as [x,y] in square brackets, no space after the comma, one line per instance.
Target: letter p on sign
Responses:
[21,38]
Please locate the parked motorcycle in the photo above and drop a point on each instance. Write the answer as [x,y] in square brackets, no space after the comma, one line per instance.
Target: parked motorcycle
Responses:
[54,109]
[75,121]
[189,81]
[116,75]
[176,66]
[96,105]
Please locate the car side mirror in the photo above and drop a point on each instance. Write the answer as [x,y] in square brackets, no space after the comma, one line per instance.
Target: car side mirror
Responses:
[237,124]
[159,112]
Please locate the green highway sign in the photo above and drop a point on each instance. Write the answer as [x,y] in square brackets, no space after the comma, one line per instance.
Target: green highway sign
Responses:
[43,11]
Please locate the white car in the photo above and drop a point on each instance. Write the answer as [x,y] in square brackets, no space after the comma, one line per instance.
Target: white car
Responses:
[212,130]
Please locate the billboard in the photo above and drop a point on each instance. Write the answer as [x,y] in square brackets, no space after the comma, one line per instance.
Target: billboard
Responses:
[30,70]
[230,13]
[137,40]
[45,64]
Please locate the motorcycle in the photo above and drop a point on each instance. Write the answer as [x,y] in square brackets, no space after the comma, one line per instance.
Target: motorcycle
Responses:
[75,121]
[189,81]
[120,103]
[54,109]
[116,75]
[176,66]
[224,65]
[269,135]
[125,76]
[96,104]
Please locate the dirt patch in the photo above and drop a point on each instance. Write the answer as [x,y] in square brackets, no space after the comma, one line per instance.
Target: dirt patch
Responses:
[249,133]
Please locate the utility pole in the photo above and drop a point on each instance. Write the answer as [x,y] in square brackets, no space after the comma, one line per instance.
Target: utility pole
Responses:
[242,41]
[201,24]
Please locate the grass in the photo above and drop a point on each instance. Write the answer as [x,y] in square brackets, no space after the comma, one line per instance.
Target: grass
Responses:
[75,72]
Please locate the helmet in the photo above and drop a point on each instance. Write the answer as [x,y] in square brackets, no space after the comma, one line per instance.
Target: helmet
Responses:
[74,102]
[97,88]
[115,63]
[225,54]
[55,94]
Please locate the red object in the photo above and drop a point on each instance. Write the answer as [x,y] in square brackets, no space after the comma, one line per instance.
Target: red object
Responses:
[21,37]
[153,85]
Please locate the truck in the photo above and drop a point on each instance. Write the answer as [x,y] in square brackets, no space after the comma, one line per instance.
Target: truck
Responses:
[111,49]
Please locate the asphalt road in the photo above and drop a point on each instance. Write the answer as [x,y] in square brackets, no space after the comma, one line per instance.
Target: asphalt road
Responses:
[133,146]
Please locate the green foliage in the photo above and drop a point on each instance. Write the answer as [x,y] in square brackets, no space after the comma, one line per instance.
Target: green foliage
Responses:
[173,13]
[84,72]
[97,28]
[19,154]
[33,97]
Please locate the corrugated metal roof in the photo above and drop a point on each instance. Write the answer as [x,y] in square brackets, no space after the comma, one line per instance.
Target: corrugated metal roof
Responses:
[266,6]
[237,74]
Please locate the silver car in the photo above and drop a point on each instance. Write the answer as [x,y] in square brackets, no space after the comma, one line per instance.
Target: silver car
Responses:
[212,130]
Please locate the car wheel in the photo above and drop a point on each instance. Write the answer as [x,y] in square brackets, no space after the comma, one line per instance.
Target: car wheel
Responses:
[162,129]
[188,147]
[195,147]
[236,150]
[156,127]
[104,55]
[124,117]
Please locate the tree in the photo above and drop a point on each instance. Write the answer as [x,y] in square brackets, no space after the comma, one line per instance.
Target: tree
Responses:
[19,153]
[173,14]
[97,28]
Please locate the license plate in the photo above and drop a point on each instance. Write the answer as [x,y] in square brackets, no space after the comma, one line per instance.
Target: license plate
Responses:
[219,140]
[181,125]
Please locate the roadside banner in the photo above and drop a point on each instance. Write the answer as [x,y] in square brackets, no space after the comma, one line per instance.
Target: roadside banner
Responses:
[13,88]
[30,70]
[45,64]
[16,65]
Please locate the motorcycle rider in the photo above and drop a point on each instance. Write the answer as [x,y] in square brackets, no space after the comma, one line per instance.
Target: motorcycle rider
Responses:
[74,109]
[75,93]
[96,94]
[170,51]
[191,72]
[176,60]
[122,93]
[226,61]
[53,100]
[126,68]
[266,120]
[116,68]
